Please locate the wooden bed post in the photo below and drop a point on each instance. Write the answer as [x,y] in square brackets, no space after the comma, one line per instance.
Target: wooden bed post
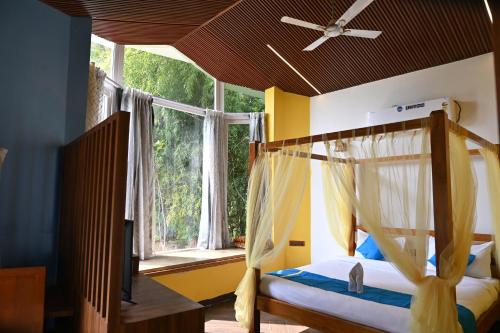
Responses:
[441,183]
[352,239]
[253,153]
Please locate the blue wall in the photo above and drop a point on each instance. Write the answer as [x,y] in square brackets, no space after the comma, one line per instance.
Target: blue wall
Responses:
[43,83]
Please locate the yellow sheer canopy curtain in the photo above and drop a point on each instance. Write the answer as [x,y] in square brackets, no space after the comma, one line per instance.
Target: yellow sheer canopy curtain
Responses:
[390,193]
[493,169]
[337,204]
[395,193]
[434,305]
[275,190]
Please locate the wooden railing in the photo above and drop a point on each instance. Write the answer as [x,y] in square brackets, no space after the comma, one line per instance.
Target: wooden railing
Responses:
[92,224]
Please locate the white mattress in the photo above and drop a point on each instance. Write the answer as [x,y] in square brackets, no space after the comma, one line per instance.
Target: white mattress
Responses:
[475,294]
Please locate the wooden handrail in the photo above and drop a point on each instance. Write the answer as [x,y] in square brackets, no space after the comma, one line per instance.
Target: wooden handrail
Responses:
[91,230]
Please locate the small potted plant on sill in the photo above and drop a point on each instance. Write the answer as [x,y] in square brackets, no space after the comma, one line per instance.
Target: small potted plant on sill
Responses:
[239,242]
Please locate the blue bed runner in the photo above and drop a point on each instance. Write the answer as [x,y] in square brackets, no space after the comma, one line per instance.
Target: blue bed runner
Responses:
[378,295]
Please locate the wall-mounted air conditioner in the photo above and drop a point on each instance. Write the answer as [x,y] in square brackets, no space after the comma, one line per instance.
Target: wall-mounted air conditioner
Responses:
[413,111]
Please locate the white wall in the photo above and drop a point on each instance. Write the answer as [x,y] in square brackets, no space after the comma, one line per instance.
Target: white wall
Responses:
[471,82]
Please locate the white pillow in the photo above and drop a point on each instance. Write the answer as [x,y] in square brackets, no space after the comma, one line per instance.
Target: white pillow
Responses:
[432,247]
[479,268]
[361,236]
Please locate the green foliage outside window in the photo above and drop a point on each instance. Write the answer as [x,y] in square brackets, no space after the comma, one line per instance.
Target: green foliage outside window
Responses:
[101,56]
[238,139]
[178,154]
[178,145]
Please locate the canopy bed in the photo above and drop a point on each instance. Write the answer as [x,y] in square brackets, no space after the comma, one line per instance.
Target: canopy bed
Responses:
[382,177]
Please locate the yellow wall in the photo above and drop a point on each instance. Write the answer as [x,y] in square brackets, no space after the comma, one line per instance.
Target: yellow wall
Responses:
[205,283]
[287,116]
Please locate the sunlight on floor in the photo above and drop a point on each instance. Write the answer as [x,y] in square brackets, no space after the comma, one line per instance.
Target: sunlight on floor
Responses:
[172,258]
[220,318]
[218,326]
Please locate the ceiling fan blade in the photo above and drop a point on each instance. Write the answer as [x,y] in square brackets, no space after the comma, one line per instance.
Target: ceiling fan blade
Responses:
[316,43]
[354,10]
[362,33]
[300,23]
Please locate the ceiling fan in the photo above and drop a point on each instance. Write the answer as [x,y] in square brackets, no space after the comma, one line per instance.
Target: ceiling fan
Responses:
[336,28]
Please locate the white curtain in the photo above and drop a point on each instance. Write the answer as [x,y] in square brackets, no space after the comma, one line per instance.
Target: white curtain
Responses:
[95,88]
[139,204]
[116,101]
[257,127]
[493,169]
[275,191]
[214,231]
[396,194]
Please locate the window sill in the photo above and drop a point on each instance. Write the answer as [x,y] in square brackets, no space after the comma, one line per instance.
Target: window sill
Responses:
[188,260]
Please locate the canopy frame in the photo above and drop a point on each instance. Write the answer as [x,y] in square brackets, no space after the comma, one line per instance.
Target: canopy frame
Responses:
[440,126]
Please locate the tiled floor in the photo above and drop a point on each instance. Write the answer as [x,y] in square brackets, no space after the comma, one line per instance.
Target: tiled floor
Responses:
[187,256]
[220,319]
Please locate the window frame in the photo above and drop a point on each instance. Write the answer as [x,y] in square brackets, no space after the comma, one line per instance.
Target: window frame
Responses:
[116,78]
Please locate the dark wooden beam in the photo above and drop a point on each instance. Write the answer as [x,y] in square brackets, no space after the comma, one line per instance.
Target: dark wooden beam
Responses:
[441,184]
[348,134]
[352,237]
[253,154]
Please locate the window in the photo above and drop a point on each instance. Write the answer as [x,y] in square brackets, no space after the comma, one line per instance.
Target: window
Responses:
[101,53]
[178,137]
[169,78]
[178,155]
[178,142]
[243,100]
[237,178]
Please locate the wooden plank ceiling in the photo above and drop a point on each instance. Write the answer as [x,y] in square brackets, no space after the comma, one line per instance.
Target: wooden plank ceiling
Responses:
[229,38]
[144,21]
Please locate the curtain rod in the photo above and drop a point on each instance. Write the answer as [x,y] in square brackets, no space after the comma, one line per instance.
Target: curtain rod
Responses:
[113,83]
[186,107]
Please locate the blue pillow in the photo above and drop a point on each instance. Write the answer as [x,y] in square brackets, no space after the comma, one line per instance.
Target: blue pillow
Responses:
[370,250]
[432,260]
